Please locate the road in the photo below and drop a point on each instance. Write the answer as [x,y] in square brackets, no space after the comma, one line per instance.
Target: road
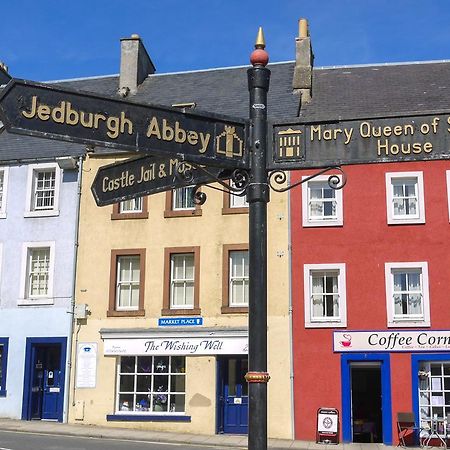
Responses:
[13,440]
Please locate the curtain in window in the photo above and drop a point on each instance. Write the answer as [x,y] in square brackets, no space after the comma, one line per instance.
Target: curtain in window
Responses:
[407,293]
[325,294]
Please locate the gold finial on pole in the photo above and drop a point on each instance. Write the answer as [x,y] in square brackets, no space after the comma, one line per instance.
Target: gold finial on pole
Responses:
[260,41]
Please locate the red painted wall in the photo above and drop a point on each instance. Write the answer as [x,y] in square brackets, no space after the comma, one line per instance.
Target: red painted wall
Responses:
[365,243]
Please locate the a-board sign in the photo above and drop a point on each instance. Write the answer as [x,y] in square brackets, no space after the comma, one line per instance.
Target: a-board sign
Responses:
[327,426]
[63,114]
[362,141]
[148,175]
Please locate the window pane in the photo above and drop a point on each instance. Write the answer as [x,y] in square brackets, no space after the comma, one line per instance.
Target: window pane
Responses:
[128,282]
[324,294]
[38,271]
[126,402]
[407,292]
[127,364]
[44,189]
[133,205]
[126,383]
[182,280]
[144,383]
[144,364]
[182,198]
[322,201]
[238,281]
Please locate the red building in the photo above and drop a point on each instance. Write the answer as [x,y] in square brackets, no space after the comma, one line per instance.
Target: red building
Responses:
[371,262]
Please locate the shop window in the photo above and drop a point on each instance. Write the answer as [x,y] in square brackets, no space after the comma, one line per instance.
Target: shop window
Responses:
[38,261]
[407,294]
[4,171]
[235,279]
[43,190]
[181,288]
[234,204]
[434,392]
[151,384]
[325,295]
[3,365]
[135,208]
[405,198]
[180,203]
[126,291]
[321,204]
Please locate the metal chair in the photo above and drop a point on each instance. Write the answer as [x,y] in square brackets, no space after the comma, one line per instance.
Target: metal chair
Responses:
[408,431]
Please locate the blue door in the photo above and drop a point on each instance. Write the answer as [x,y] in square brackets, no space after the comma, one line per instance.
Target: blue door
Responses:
[234,416]
[46,380]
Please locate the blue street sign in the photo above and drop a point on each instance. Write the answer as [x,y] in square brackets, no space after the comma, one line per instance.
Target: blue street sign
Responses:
[180,321]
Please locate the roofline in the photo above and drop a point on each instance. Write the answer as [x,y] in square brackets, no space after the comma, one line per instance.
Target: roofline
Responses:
[348,66]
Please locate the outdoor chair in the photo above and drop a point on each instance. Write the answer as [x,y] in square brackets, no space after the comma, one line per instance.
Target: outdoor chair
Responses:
[408,432]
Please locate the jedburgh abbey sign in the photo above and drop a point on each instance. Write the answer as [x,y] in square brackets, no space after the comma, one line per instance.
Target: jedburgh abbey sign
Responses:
[391,341]
[393,139]
[57,113]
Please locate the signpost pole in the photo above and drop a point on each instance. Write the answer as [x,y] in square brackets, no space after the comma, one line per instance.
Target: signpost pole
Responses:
[258,197]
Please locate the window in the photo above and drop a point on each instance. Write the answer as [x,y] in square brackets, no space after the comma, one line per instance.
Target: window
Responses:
[180,202]
[135,208]
[325,295]
[151,384]
[43,190]
[405,197]
[127,282]
[181,289]
[434,391]
[3,365]
[234,204]
[407,294]
[447,174]
[3,190]
[322,205]
[38,261]
[235,278]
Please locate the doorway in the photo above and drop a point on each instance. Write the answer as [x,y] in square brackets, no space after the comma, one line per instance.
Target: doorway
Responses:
[232,395]
[44,379]
[366,397]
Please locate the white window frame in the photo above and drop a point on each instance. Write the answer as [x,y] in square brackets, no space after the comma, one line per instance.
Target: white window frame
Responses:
[29,209]
[25,299]
[237,201]
[5,171]
[325,322]
[137,204]
[184,281]
[175,193]
[323,221]
[394,321]
[402,220]
[128,282]
[240,279]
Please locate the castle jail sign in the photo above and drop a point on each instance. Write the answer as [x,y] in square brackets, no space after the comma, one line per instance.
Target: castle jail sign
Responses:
[393,139]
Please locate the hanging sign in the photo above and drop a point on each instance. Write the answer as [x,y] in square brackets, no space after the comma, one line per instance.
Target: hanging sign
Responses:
[58,113]
[388,139]
[327,426]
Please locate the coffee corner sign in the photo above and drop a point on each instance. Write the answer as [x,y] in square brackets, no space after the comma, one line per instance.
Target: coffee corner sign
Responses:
[47,111]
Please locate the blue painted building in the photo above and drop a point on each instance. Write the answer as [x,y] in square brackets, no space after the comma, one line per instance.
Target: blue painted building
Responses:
[39,184]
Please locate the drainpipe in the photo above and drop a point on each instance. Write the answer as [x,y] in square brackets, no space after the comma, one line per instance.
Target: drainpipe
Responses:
[291,341]
[72,303]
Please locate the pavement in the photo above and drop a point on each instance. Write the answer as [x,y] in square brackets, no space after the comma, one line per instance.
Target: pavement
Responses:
[219,440]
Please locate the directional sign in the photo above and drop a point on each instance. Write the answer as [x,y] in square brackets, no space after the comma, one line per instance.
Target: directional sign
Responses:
[56,113]
[393,139]
[148,175]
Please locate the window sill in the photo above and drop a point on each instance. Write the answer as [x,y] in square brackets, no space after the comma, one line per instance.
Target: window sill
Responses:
[319,223]
[35,301]
[147,418]
[181,312]
[325,325]
[129,215]
[408,324]
[234,310]
[183,213]
[131,313]
[50,213]
[415,221]
[239,210]
[2,215]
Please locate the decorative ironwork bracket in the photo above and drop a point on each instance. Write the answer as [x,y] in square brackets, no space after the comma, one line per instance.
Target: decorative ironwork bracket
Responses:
[239,177]
[277,178]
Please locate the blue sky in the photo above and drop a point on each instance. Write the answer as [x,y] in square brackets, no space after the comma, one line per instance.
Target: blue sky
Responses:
[55,39]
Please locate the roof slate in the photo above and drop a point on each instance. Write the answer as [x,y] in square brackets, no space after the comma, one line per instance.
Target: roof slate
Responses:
[338,93]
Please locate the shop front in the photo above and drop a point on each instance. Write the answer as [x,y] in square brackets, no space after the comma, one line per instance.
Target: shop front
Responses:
[180,376]
[374,392]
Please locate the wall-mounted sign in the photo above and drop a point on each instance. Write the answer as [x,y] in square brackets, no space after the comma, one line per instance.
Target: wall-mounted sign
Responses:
[394,139]
[391,341]
[180,321]
[230,345]
[147,175]
[57,113]
[86,370]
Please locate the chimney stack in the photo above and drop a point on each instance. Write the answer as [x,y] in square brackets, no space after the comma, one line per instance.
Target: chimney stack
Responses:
[304,59]
[135,64]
